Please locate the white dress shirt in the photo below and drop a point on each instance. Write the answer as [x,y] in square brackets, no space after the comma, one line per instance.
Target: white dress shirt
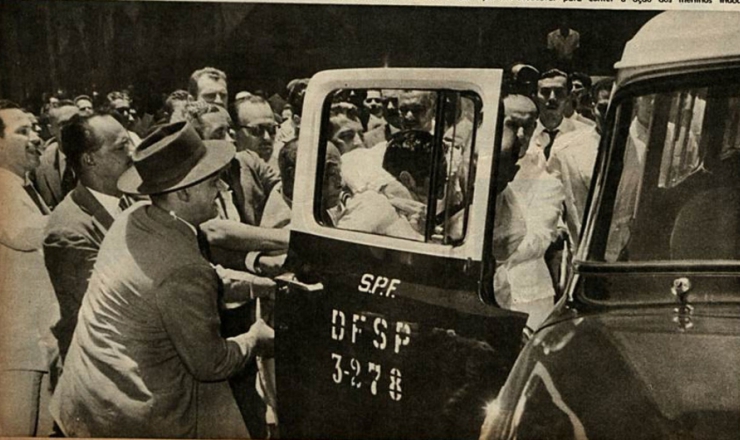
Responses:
[110,203]
[540,139]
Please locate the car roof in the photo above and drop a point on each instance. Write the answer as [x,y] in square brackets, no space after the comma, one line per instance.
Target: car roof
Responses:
[681,39]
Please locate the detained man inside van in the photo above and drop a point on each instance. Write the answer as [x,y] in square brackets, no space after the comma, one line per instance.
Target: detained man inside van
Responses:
[367,211]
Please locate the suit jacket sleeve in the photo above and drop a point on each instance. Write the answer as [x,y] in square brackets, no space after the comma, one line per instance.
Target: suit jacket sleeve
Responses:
[267,176]
[187,300]
[21,224]
[69,259]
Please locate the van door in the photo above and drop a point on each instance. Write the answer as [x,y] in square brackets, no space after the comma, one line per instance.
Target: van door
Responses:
[381,332]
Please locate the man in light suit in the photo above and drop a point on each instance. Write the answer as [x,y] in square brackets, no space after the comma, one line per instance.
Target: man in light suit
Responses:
[540,198]
[147,358]
[97,148]
[28,306]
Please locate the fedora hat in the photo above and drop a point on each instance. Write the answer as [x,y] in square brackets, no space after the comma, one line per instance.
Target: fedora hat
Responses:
[171,158]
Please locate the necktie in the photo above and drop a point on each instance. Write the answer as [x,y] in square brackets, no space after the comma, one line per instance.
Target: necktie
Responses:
[233,179]
[553,134]
[36,199]
[124,203]
[69,180]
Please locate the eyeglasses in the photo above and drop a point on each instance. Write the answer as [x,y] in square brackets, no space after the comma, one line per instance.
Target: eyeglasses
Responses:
[259,130]
[373,100]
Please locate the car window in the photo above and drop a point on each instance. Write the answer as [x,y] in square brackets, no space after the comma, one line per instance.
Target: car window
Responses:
[390,155]
[678,196]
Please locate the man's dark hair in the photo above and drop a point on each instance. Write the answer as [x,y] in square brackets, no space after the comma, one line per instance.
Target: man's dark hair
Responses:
[194,111]
[177,95]
[411,151]
[65,103]
[521,78]
[346,109]
[6,105]
[81,97]
[604,84]
[554,73]
[210,72]
[286,163]
[77,138]
[296,93]
[583,78]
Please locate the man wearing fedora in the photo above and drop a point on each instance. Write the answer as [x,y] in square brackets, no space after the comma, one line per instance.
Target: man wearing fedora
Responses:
[147,358]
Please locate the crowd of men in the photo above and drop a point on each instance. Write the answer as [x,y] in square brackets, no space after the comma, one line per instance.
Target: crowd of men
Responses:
[138,254]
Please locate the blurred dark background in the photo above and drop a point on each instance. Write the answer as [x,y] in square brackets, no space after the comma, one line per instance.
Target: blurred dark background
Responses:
[83,46]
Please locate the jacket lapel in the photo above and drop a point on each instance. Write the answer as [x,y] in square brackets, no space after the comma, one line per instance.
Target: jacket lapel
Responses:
[89,204]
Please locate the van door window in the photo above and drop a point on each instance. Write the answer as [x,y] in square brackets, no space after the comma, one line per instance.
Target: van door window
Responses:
[390,155]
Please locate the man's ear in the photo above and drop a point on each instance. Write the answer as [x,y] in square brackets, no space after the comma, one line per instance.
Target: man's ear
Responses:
[407,180]
[183,195]
[87,160]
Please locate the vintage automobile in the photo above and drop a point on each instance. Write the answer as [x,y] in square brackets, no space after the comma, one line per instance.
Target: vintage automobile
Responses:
[381,332]
[646,343]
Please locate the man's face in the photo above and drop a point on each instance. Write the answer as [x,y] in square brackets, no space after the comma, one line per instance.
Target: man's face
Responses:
[416,111]
[601,104]
[216,126]
[123,106]
[287,114]
[391,113]
[212,91]
[373,102]
[85,107]
[578,89]
[552,95]
[332,183]
[457,142]
[348,133]
[34,123]
[20,146]
[202,198]
[60,115]
[520,120]
[112,158]
[256,129]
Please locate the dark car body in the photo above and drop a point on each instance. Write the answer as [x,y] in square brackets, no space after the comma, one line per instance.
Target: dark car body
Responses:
[646,342]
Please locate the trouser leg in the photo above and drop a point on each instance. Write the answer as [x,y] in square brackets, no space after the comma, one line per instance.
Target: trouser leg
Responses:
[19,405]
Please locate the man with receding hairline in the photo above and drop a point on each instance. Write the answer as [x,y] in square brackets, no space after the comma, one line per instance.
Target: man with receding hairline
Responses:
[98,148]
[540,198]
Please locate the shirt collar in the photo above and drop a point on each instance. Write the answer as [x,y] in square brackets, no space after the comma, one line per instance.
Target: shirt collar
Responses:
[10,176]
[187,223]
[110,203]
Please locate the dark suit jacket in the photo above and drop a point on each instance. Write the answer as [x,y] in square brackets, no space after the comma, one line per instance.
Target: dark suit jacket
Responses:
[73,236]
[251,181]
[146,352]
[48,175]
